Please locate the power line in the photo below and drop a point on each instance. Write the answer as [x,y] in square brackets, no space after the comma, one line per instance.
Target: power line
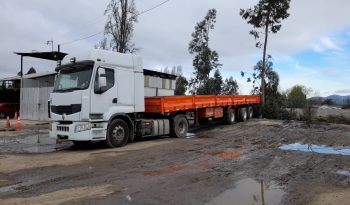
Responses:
[83,38]
[95,34]
[150,9]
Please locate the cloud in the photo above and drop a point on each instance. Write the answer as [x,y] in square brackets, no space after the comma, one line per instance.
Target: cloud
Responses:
[163,34]
[327,44]
[344,91]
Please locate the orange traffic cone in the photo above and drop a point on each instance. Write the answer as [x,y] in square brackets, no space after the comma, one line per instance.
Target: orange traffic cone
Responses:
[18,124]
[7,124]
[16,116]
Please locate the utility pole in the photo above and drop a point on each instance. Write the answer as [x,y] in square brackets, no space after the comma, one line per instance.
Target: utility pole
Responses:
[58,50]
[50,42]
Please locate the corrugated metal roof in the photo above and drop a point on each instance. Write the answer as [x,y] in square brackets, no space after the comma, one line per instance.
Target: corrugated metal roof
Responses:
[30,76]
[11,78]
[38,75]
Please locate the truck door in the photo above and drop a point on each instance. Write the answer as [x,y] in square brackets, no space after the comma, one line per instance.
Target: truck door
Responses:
[103,100]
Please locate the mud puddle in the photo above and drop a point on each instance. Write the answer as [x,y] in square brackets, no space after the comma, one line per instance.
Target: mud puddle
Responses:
[190,135]
[321,149]
[31,144]
[15,187]
[344,173]
[249,191]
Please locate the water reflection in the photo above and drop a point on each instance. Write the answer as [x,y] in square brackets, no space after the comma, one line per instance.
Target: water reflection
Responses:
[252,192]
[190,135]
[31,144]
[322,149]
[344,173]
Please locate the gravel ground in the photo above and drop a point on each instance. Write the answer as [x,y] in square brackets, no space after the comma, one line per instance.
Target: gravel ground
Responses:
[238,164]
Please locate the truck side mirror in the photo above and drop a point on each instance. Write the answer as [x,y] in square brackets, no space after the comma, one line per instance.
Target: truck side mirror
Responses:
[101,80]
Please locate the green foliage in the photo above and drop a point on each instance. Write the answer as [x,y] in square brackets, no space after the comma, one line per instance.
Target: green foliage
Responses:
[212,86]
[275,102]
[181,81]
[266,12]
[205,59]
[274,107]
[230,87]
[297,97]
[265,17]
[217,83]
[181,84]
[270,76]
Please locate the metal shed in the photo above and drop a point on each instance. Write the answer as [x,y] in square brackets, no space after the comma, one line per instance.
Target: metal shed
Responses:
[35,93]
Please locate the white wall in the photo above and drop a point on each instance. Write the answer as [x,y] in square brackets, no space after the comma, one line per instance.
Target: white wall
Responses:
[34,98]
[155,86]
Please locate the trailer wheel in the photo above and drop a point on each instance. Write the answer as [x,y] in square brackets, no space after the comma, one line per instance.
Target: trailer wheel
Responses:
[250,112]
[230,117]
[2,115]
[243,114]
[117,133]
[179,126]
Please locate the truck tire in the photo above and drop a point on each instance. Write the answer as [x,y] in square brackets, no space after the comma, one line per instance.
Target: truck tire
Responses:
[230,117]
[242,114]
[2,115]
[117,133]
[179,126]
[250,112]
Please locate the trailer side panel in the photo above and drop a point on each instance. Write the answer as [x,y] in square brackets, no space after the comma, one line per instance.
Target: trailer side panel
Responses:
[170,104]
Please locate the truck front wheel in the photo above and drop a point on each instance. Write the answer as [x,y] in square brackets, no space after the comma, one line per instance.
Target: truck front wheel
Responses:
[117,133]
[179,126]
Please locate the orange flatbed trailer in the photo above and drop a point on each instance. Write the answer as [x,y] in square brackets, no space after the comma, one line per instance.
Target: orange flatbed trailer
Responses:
[169,104]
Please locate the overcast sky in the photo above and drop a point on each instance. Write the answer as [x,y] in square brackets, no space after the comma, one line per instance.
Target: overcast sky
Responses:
[312,48]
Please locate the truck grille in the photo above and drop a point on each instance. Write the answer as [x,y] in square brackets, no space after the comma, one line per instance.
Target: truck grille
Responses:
[62,128]
[66,109]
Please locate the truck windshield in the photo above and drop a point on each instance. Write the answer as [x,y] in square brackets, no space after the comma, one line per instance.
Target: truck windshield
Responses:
[76,76]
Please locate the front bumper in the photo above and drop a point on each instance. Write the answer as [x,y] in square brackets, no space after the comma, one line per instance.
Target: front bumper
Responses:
[97,132]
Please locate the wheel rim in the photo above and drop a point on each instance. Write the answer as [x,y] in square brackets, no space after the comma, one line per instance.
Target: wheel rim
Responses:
[118,133]
[244,114]
[181,128]
[2,115]
[232,117]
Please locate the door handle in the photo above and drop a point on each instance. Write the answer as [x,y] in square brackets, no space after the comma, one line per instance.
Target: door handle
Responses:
[115,100]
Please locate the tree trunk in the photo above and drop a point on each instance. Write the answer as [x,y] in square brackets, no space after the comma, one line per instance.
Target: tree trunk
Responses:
[263,66]
[124,10]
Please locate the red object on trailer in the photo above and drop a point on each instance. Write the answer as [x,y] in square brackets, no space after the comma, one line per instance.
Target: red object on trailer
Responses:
[171,104]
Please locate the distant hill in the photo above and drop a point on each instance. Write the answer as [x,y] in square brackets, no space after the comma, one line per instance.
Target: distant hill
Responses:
[337,99]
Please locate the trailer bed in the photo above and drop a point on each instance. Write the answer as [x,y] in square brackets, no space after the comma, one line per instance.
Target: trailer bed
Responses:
[170,104]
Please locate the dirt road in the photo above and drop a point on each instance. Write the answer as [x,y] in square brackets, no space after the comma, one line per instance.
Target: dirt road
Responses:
[272,161]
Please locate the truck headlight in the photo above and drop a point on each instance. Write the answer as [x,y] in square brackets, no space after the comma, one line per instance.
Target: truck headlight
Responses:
[82,127]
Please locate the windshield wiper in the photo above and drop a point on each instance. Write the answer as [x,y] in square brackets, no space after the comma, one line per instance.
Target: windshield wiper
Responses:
[68,90]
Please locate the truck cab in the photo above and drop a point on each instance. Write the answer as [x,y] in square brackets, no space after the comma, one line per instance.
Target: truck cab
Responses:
[88,94]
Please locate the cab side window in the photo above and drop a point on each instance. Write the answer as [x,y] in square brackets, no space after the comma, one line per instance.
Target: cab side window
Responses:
[109,78]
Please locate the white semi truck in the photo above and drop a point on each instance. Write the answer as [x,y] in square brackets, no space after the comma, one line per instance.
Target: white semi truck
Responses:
[101,98]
